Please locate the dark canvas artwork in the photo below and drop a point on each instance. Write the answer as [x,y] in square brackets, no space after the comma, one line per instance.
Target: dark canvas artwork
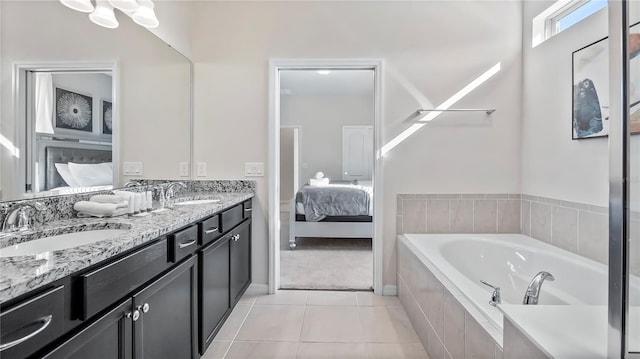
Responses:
[73,111]
[107,117]
[591,88]
[591,91]
[587,115]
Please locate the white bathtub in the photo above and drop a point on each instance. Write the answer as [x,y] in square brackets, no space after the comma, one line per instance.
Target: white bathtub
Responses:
[510,261]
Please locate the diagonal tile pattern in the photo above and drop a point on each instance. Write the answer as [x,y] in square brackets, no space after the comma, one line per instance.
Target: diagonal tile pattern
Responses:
[317,325]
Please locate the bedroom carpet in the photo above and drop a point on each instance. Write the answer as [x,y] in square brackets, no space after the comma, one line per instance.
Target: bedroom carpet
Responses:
[325,263]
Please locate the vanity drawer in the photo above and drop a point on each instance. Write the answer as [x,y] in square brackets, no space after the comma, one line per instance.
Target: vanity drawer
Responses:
[248,208]
[210,229]
[104,286]
[183,243]
[32,324]
[232,217]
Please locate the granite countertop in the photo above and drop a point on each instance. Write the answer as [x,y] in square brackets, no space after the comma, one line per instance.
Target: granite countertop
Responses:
[21,274]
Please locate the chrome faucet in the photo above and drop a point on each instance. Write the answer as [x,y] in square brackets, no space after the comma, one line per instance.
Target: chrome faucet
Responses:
[533,290]
[495,296]
[132,184]
[169,192]
[17,218]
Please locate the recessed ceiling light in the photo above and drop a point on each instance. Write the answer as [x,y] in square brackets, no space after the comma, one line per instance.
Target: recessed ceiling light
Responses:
[324,72]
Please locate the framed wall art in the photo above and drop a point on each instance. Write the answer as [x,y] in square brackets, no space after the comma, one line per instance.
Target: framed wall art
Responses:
[73,111]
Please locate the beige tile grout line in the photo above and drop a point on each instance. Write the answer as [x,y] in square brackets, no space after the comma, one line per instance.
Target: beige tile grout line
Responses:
[239,327]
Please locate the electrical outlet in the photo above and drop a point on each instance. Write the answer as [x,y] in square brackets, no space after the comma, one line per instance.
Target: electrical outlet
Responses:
[254,169]
[184,169]
[132,168]
[202,169]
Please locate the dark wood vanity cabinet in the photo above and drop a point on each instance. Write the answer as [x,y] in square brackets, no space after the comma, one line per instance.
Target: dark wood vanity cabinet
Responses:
[240,258]
[157,322]
[110,337]
[167,326]
[214,289]
[165,299]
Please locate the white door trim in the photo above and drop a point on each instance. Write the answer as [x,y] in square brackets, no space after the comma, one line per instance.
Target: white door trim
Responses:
[275,65]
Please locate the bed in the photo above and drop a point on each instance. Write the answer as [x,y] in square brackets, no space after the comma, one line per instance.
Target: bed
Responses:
[62,152]
[336,210]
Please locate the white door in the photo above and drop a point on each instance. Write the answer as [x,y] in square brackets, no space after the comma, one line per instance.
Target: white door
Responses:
[357,152]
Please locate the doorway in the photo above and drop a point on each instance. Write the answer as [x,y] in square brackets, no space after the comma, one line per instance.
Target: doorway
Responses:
[324,131]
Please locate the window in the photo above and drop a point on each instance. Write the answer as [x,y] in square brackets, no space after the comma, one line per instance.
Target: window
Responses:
[576,14]
[562,15]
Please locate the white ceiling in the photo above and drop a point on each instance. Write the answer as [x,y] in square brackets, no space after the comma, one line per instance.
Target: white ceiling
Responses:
[337,82]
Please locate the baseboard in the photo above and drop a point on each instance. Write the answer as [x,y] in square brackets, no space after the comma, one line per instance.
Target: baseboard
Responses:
[258,288]
[389,289]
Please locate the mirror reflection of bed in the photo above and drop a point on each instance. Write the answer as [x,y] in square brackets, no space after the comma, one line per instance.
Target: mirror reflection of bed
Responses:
[326,165]
[66,168]
[71,131]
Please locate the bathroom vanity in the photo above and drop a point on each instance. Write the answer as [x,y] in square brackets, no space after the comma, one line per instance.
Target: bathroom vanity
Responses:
[162,289]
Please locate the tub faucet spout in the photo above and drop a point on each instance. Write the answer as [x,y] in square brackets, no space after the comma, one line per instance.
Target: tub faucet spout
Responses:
[533,290]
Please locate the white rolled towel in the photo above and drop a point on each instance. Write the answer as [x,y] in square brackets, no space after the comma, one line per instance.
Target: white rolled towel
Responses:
[119,201]
[318,181]
[95,208]
[318,175]
[129,196]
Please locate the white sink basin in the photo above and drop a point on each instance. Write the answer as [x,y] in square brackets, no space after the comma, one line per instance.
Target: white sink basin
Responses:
[59,242]
[197,201]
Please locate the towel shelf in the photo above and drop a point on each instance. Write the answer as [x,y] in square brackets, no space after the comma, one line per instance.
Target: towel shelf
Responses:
[487,111]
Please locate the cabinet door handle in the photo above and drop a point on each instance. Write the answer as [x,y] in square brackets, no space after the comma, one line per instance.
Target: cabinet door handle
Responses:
[45,323]
[187,244]
[135,315]
[211,230]
[236,237]
[248,210]
[145,308]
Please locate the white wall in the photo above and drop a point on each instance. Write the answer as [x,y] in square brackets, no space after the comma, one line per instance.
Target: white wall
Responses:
[154,80]
[553,165]
[175,24]
[431,51]
[321,119]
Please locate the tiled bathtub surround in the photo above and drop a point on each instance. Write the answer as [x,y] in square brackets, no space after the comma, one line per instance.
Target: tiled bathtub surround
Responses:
[458,213]
[577,227]
[446,327]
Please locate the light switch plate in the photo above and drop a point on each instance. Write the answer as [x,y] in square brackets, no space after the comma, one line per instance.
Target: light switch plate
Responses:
[132,168]
[202,169]
[254,169]
[184,169]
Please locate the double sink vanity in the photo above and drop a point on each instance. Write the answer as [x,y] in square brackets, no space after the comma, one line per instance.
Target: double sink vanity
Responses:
[155,286]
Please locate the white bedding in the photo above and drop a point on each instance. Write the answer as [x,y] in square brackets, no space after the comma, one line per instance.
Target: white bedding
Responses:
[74,190]
[369,188]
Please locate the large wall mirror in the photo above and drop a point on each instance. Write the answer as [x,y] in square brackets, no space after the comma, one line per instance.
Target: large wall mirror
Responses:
[87,108]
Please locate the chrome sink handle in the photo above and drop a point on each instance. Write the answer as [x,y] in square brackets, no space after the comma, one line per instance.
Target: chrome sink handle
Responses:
[495,296]
[17,219]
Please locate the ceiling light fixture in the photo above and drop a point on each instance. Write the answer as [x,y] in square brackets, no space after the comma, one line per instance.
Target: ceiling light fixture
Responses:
[104,15]
[324,72]
[125,5]
[144,15]
[141,11]
[78,5]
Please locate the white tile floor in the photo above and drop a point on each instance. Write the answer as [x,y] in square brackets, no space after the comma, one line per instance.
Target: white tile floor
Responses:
[318,325]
